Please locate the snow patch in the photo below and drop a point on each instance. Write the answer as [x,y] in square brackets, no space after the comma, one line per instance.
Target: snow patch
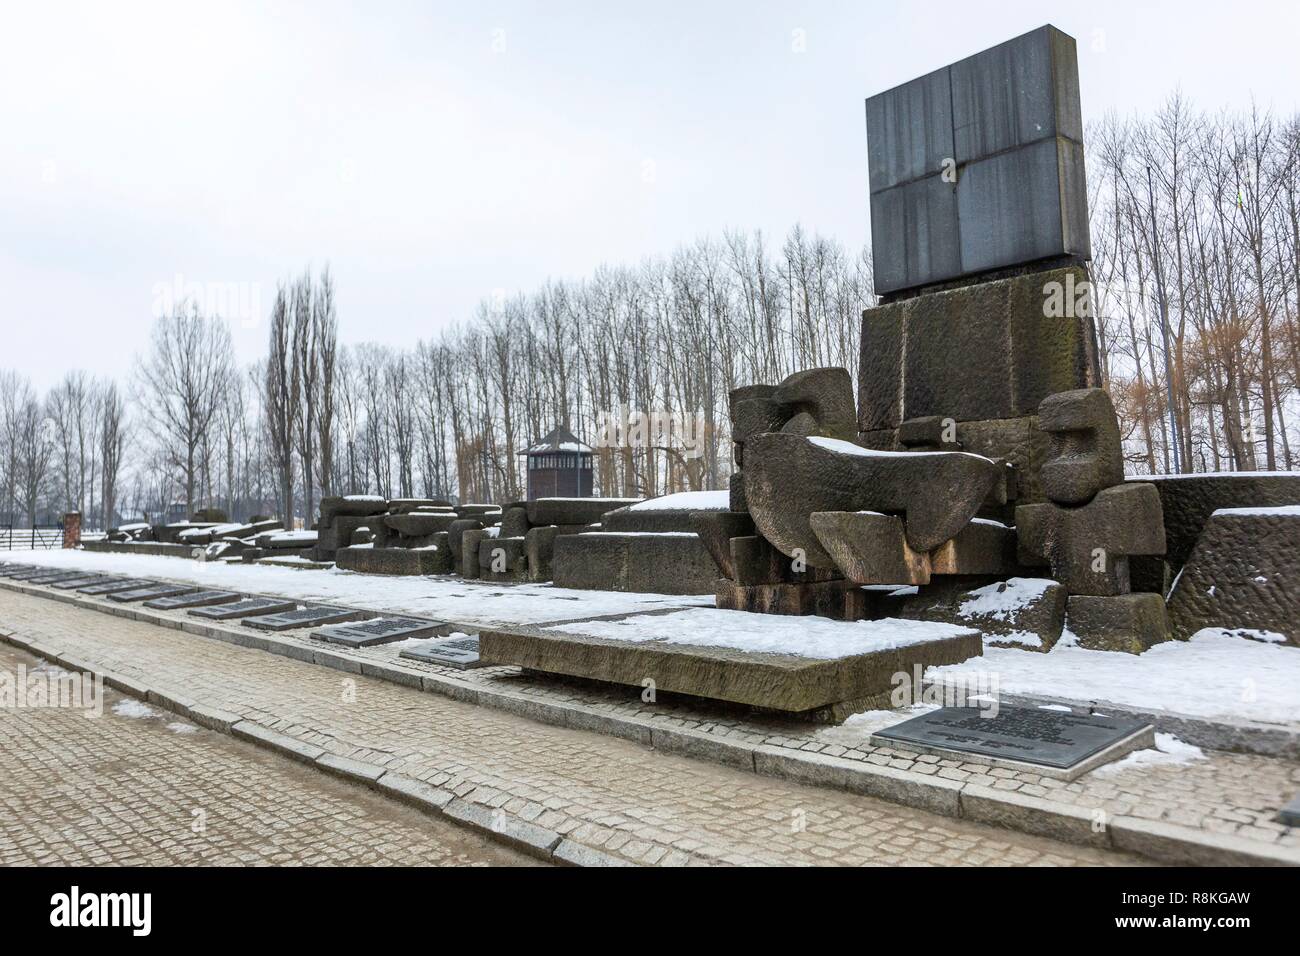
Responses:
[130,707]
[1169,751]
[1002,599]
[686,501]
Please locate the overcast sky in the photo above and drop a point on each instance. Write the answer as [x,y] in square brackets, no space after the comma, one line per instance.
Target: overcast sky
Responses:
[434,153]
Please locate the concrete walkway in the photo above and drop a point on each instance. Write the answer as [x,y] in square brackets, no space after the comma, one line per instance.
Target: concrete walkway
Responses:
[570,795]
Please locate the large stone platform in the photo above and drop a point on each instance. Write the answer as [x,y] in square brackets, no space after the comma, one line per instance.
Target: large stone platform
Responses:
[740,658]
[370,560]
[652,562]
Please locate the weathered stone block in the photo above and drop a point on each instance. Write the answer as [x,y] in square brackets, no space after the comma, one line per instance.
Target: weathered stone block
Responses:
[1189,500]
[514,521]
[1088,547]
[716,529]
[870,548]
[502,559]
[789,478]
[1026,613]
[470,541]
[1244,573]
[819,401]
[982,547]
[736,488]
[754,561]
[1131,623]
[1087,456]
[994,350]
[455,537]
[394,561]
[651,563]
[544,511]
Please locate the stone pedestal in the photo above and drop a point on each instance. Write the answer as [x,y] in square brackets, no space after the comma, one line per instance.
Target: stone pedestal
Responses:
[72,529]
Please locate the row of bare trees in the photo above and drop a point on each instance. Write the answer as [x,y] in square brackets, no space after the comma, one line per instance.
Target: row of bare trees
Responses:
[1202,211]
[1196,245]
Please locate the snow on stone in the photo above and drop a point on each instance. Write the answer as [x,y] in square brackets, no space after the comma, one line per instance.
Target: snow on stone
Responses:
[1169,751]
[638,534]
[441,598]
[369,499]
[307,537]
[1245,633]
[1212,675]
[849,448]
[1287,511]
[1212,474]
[686,501]
[1002,599]
[813,637]
[180,727]
[130,707]
[1024,638]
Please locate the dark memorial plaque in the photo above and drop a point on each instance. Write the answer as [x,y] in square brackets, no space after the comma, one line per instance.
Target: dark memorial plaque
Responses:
[459,652]
[52,577]
[14,570]
[112,587]
[193,599]
[1289,816]
[249,607]
[150,592]
[301,617]
[381,630]
[1047,738]
[81,581]
[27,573]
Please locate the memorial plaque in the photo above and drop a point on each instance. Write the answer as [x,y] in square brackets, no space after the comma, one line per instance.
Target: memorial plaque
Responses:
[459,652]
[13,570]
[979,166]
[249,607]
[193,599]
[1030,735]
[27,573]
[380,630]
[112,587]
[1289,816]
[302,617]
[84,580]
[50,577]
[150,592]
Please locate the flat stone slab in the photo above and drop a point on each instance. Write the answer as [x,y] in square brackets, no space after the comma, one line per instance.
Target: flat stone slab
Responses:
[1290,814]
[53,577]
[380,630]
[813,667]
[193,599]
[26,573]
[112,587]
[301,617]
[460,652]
[151,592]
[81,581]
[1055,743]
[249,607]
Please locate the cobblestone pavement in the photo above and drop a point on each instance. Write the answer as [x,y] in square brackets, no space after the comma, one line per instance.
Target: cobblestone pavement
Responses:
[139,786]
[601,792]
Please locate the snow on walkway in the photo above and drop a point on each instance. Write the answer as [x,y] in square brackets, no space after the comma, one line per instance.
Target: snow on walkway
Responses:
[441,598]
[1213,675]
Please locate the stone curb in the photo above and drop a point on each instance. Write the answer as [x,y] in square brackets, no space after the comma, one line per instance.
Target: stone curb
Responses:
[1162,842]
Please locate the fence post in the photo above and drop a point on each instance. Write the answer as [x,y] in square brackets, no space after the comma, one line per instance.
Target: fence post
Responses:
[72,529]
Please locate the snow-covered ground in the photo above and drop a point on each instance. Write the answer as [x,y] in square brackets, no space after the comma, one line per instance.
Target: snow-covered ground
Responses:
[1213,675]
[686,501]
[814,637]
[442,598]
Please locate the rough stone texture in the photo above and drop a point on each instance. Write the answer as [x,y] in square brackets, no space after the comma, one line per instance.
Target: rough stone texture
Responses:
[543,511]
[716,529]
[932,433]
[1043,616]
[822,598]
[657,521]
[1010,120]
[975,353]
[399,506]
[779,682]
[754,561]
[539,550]
[753,412]
[509,555]
[789,478]
[514,521]
[1086,456]
[1189,500]
[1131,623]
[1243,573]
[651,563]
[469,545]
[418,524]
[338,532]
[1088,547]
[455,537]
[736,489]
[486,511]
[396,561]
[333,506]
[818,401]
[982,547]
[870,548]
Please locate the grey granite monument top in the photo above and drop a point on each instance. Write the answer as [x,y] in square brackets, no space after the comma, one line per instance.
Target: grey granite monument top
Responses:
[978,166]
[249,607]
[301,617]
[380,630]
[151,591]
[193,599]
[458,652]
[1028,735]
[112,587]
